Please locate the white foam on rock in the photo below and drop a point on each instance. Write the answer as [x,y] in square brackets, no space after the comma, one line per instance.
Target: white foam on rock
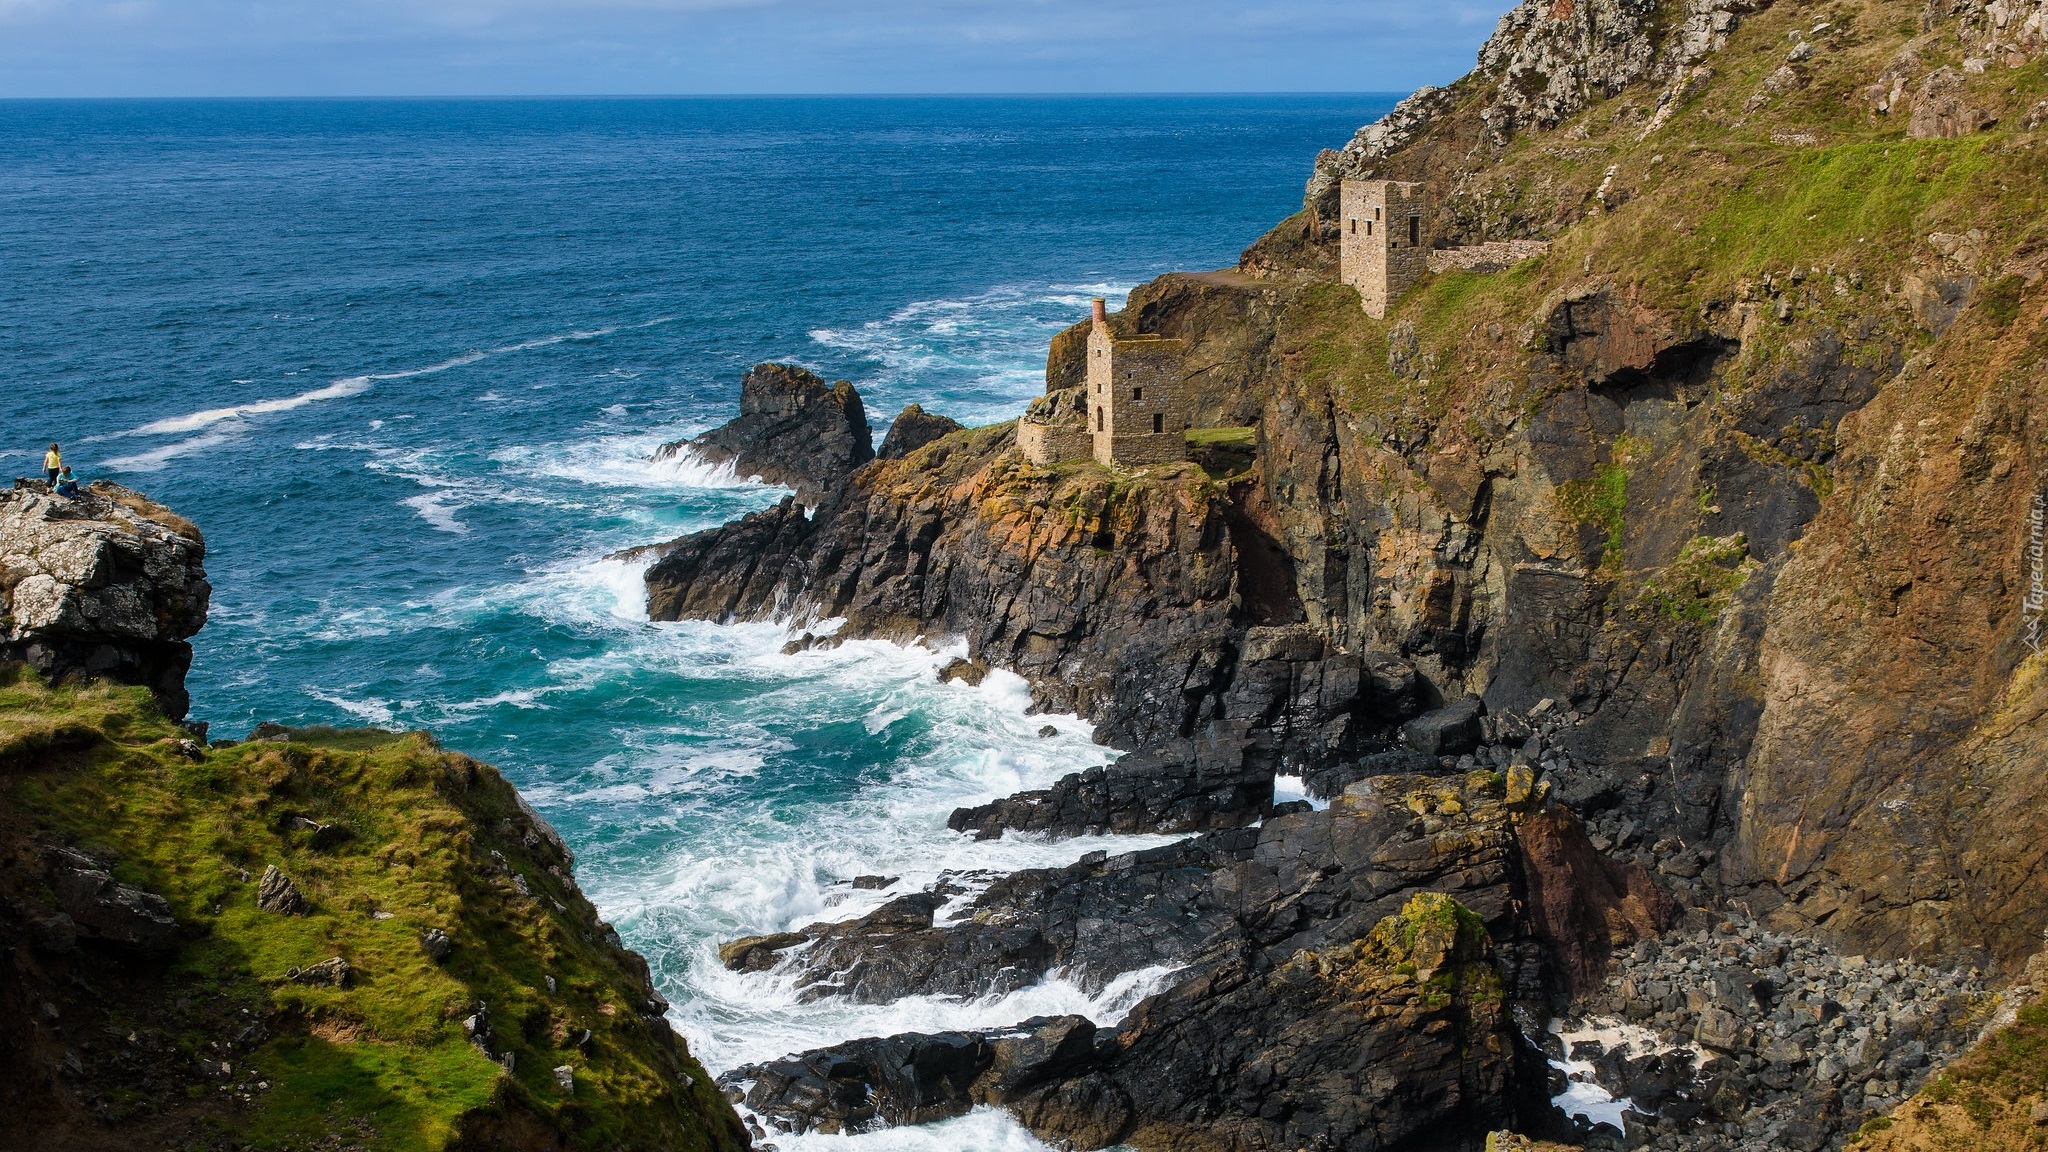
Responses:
[1584,1096]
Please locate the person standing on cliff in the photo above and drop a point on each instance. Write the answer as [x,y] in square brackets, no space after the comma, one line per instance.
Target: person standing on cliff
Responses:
[53,463]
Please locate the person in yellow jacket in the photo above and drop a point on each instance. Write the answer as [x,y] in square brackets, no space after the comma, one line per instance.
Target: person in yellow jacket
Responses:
[53,463]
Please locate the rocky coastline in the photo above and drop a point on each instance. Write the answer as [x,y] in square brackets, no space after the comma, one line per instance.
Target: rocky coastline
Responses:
[1592,591]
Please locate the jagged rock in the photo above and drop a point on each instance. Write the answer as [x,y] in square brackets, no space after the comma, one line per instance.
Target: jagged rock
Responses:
[101,909]
[1362,1045]
[1449,731]
[912,429]
[1940,108]
[850,1087]
[1186,786]
[106,585]
[333,972]
[1301,880]
[756,953]
[275,892]
[970,672]
[793,429]
[436,944]
[874,883]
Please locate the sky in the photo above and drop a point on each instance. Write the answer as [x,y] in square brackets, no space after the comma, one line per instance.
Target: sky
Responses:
[592,47]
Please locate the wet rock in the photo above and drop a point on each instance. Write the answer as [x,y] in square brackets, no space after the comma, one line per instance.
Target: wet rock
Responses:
[970,672]
[276,893]
[793,429]
[874,883]
[871,1082]
[912,429]
[1189,785]
[757,953]
[1363,1045]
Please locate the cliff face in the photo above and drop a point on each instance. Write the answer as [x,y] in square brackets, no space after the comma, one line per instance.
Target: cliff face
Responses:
[304,939]
[1731,486]
[106,585]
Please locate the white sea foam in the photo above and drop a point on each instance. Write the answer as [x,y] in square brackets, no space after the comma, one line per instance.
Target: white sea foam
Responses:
[1288,788]
[154,459]
[1583,1095]
[347,386]
[975,359]
[375,712]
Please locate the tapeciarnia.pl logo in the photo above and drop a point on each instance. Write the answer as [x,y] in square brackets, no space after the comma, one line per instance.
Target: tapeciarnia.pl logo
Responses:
[2035,606]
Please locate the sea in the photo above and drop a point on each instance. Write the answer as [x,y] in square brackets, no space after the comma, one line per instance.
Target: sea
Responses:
[406,364]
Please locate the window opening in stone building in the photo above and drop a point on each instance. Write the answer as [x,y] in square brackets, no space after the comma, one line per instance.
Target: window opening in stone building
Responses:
[1137,393]
[1415,231]
[1158,422]
[1098,419]
[1354,225]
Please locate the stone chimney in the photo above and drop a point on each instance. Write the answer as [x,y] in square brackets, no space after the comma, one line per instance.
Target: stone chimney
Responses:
[1101,311]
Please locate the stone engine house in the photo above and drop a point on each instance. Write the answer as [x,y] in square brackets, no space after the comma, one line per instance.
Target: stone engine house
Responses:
[1383,251]
[1132,409]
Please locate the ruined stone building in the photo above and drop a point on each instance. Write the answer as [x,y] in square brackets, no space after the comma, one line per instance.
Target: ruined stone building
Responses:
[1132,409]
[1383,251]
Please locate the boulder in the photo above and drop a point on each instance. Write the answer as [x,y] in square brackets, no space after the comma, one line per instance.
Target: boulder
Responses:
[912,429]
[1448,731]
[867,1083]
[332,972]
[793,429]
[756,953]
[275,892]
[436,944]
[101,909]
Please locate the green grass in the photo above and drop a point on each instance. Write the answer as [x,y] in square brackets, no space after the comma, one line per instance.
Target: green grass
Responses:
[1213,436]
[432,839]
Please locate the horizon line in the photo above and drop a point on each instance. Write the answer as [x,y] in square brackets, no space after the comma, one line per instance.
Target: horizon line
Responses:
[1013,95]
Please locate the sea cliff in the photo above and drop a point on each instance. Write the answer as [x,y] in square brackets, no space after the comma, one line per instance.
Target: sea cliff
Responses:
[308,939]
[1693,505]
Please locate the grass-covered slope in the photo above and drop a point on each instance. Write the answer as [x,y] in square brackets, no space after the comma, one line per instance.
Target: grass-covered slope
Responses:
[207,1043]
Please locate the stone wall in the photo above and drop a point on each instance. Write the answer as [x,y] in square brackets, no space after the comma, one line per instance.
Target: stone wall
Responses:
[1134,388]
[1384,249]
[1492,256]
[1055,428]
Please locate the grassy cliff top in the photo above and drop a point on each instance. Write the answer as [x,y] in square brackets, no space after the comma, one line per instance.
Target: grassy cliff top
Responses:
[387,837]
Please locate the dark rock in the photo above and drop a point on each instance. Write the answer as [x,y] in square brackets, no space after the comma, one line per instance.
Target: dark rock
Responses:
[103,910]
[436,944]
[57,934]
[874,883]
[872,1082]
[1047,732]
[912,429]
[275,892]
[1189,785]
[1449,731]
[793,429]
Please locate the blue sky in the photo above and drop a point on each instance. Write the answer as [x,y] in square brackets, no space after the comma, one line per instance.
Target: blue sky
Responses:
[537,47]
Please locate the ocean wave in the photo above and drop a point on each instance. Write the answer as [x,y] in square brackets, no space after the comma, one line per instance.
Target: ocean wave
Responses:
[347,386]
[976,359]
[155,459]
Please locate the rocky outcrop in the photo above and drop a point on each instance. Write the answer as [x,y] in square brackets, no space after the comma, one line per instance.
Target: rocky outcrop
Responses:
[793,429]
[108,585]
[1400,1031]
[912,429]
[1217,781]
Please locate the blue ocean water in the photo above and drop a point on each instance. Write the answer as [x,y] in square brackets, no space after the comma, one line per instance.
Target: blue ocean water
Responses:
[404,363]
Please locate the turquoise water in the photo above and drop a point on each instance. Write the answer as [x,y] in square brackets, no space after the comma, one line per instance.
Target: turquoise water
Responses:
[404,363]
